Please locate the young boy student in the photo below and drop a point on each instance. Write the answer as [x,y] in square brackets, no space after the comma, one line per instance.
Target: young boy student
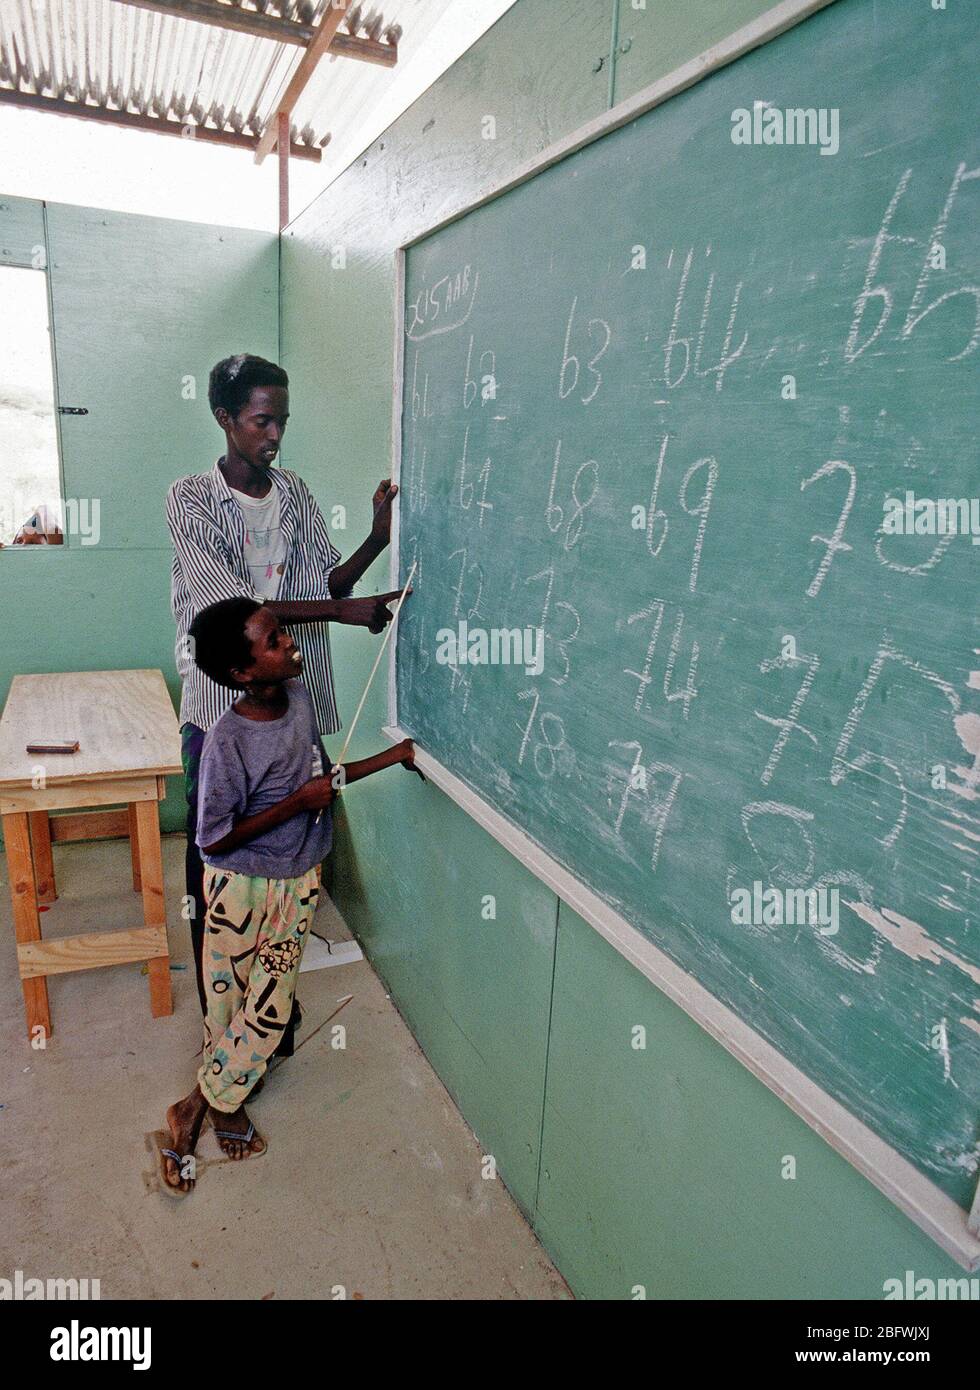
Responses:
[264,825]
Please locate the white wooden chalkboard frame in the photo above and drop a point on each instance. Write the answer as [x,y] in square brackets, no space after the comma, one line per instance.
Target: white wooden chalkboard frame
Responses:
[910,1190]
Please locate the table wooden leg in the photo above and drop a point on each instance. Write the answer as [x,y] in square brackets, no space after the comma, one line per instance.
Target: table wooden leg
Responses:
[134,846]
[47,889]
[154,906]
[27,923]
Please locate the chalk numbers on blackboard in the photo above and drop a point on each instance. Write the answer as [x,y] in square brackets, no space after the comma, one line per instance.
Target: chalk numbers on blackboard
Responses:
[418,498]
[885,298]
[468,491]
[552,753]
[570,495]
[639,777]
[686,693]
[786,726]
[421,659]
[570,615]
[596,340]
[706,469]
[468,585]
[419,393]
[694,498]
[483,385]
[571,515]
[674,343]
[836,542]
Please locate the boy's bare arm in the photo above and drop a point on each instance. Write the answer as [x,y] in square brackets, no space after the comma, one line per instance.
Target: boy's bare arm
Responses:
[402,753]
[323,790]
[314,795]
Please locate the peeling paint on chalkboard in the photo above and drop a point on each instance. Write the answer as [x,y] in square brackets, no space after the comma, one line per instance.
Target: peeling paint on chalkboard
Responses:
[910,938]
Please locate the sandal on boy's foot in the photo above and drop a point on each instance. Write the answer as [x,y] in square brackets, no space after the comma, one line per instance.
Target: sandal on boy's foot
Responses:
[243,1137]
[179,1159]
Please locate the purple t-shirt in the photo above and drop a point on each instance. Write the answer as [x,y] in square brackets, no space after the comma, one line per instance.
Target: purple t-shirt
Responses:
[248,765]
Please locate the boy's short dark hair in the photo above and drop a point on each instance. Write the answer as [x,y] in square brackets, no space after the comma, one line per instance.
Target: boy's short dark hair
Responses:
[233,378]
[218,641]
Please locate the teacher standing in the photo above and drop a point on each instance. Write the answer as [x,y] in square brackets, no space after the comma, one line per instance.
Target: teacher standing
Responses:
[251,530]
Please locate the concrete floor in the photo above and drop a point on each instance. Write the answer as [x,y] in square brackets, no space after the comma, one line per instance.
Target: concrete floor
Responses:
[372,1181]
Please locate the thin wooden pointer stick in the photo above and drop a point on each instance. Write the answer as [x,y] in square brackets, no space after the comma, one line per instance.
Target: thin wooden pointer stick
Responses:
[377,663]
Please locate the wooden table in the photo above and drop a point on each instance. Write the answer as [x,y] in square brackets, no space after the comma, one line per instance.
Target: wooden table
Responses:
[129,742]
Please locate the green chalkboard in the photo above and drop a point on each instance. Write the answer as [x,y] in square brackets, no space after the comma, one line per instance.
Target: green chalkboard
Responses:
[655,400]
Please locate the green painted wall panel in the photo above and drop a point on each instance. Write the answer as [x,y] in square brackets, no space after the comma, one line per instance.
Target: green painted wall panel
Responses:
[21,232]
[142,305]
[665,34]
[532,72]
[663,1166]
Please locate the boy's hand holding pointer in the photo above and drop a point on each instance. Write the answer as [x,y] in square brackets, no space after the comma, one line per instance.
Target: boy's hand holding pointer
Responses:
[320,792]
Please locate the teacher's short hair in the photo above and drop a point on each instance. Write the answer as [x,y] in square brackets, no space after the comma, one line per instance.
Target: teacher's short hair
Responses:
[217,639]
[233,379]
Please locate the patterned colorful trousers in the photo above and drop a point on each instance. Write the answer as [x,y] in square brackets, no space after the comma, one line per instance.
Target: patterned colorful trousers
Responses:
[191,744]
[255,930]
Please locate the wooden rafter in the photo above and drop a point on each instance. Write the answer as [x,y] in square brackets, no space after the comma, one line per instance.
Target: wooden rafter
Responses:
[128,120]
[264,26]
[325,34]
[282,141]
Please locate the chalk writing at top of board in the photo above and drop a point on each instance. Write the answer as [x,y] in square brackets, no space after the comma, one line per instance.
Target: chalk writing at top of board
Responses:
[443,307]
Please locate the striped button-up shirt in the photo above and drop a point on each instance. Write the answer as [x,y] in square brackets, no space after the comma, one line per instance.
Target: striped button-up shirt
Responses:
[208,531]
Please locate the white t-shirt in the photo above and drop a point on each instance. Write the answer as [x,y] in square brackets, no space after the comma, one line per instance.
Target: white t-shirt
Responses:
[265,549]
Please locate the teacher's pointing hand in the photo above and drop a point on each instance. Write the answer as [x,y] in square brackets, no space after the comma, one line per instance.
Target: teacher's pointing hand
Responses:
[372,613]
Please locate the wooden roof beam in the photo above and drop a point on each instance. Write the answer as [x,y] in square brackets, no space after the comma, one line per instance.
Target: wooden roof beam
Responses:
[185,130]
[325,35]
[262,26]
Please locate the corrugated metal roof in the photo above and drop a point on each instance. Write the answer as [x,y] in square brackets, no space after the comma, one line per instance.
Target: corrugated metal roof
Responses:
[120,57]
